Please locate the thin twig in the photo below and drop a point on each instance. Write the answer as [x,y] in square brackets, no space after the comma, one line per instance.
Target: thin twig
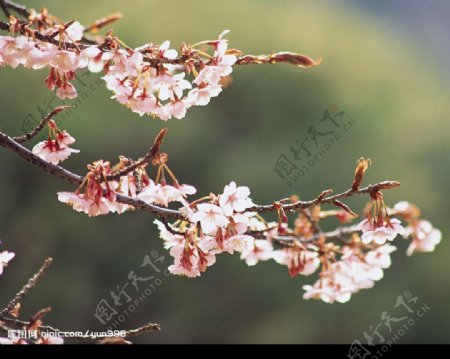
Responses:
[27,287]
[336,234]
[315,226]
[17,323]
[4,8]
[18,8]
[29,136]
[150,155]
[330,199]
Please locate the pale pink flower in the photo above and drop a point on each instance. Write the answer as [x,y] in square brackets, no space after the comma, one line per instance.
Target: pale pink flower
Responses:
[380,234]
[134,64]
[75,31]
[326,290]
[424,237]
[5,258]
[236,243]
[142,103]
[179,108]
[13,50]
[211,217]
[167,53]
[165,194]
[171,87]
[170,239]
[52,151]
[65,139]
[235,199]
[200,96]
[298,260]
[64,61]
[257,250]
[192,258]
[67,90]
[83,203]
[94,58]
[380,257]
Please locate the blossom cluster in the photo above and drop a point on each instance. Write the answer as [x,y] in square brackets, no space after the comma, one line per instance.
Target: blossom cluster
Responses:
[164,91]
[224,225]
[146,79]
[98,196]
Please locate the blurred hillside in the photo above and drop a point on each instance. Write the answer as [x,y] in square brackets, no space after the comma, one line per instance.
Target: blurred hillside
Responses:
[382,79]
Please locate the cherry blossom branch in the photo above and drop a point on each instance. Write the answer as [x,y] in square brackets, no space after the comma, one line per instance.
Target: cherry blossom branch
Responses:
[99,339]
[58,171]
[27,287]
[29,136]
[298,60]
[8,315]
[149,156]
[322,198]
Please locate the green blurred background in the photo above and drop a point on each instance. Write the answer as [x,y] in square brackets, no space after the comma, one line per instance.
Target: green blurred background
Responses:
[379,66]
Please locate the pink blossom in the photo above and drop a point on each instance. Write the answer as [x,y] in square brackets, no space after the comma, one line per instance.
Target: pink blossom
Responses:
[200,96]
[380,257]
[64,61]
[5,258]
[94,197]
[165,194]
[235,198]
[82,203]
[299,260]
[52,151]
[192,256]
[211,217]
[257,250]
[380,234]
[326,290]
[75,31]
[67,90]
[167,53]
[424,237]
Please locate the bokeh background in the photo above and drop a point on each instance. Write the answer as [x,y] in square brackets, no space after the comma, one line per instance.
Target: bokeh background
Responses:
[384,63]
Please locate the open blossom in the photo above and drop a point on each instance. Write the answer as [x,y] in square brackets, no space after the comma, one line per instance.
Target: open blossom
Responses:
[424,237]
[192,254]
[5,257]
[380,234]
[257,250]
[165,194]
[55,150]
[299,260]
[94,197]
[235,199]
[211,218]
